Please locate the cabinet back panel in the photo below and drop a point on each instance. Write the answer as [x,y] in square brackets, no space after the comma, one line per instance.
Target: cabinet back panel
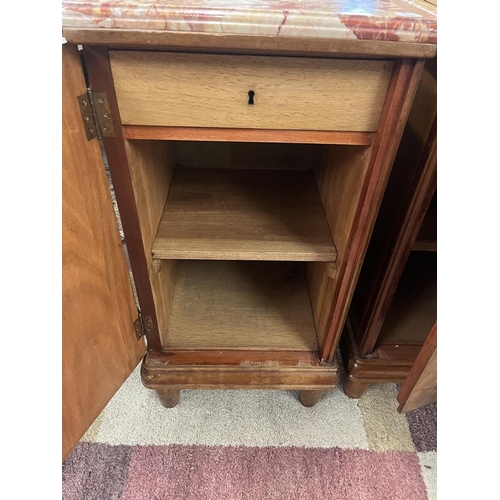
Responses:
[241,305]
[244,155]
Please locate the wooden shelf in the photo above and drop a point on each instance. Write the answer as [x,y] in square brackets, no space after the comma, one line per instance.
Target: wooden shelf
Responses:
[241,305]
[427,236]
[226,214]
[413,309]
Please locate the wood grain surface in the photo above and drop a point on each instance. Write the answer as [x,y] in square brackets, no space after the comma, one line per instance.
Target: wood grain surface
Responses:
[246,135]
[201,90]
[159,373]
[399,99]
[340,175]
[99,345]
[244,215]
[237,44]
[420,387]
[248,155]
[152,165]
[241,305]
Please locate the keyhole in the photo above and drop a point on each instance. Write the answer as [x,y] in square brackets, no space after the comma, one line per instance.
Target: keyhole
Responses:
[251,93]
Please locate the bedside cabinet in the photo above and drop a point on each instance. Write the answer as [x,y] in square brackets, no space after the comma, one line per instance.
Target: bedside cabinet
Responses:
[248,173]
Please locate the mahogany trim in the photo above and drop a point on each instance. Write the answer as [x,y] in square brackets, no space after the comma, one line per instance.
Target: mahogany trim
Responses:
[247,135]
[232,357]
[101,80]
[227,42]
[371,369]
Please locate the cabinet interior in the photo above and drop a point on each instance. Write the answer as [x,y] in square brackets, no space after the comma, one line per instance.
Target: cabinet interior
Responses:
[246,242]
[413,309]
[427,236]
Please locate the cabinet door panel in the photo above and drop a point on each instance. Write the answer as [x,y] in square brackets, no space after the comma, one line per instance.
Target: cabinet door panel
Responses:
[420,387]
[100,348]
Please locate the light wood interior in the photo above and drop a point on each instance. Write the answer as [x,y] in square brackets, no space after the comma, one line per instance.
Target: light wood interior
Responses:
[413,309]
[240,214]
[274,202]
[152,165]
[420,386]
[241,305]
[210,90]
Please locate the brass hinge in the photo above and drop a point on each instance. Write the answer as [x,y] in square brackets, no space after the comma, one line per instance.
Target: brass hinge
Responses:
[96,115]
[87,116]
[143,325]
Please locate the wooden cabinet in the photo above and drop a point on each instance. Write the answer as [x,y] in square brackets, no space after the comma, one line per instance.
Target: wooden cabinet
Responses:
[248,187]
[393,310]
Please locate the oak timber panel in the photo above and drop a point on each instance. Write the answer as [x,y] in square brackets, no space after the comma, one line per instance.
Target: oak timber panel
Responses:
[99,345]
[241,305]
[318,281]
[420,387]
[152,165]
[244,214]
[207,90]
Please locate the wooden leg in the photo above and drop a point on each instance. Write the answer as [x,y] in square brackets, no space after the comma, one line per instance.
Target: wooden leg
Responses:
[310,398]
[353,388]
[169,398]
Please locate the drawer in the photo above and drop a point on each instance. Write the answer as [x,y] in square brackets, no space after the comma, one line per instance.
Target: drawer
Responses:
[207,90]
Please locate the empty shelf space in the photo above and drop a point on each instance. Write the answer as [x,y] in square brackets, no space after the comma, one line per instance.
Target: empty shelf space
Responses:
[427,236]
[413,309]
[232,214]
[241,305]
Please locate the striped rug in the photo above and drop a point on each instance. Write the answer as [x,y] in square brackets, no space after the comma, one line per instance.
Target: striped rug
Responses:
[254,445]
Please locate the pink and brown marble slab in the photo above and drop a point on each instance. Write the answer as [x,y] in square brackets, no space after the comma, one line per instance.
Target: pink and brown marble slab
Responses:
[390,20]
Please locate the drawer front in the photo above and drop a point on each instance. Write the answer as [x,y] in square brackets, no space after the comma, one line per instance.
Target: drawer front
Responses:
[205,90]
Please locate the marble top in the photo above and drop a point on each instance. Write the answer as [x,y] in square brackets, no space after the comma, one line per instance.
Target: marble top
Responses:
[392,20]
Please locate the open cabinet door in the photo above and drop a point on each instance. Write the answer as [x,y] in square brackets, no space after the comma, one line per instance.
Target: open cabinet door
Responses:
[420,387]
[100,348]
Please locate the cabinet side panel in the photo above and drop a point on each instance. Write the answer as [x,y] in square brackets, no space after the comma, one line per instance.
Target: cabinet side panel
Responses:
[398,102]
[152,167]
[317,281]
[100,348]
[340,176]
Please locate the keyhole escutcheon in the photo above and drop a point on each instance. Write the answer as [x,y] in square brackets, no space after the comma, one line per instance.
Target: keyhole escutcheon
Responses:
[251,93]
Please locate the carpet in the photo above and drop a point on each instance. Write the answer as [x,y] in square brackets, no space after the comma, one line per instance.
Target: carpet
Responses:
[254,445]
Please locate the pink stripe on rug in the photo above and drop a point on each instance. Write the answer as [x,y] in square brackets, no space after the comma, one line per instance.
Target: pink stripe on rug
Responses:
[227,472]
